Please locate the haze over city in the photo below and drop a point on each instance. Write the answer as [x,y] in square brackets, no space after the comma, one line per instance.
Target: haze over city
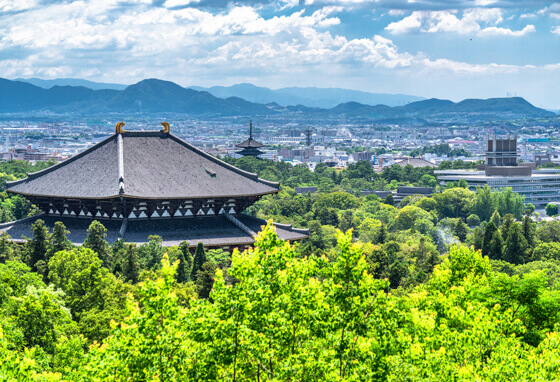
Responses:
[445,49]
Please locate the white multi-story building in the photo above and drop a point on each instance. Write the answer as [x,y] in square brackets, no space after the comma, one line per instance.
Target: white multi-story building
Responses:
[539,187]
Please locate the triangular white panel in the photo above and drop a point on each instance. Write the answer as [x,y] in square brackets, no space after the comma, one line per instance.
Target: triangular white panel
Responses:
[165,214]
[211,212]
[143,215]
[177,213]
[231,210]
[189,213]
[82,213]
[221,211]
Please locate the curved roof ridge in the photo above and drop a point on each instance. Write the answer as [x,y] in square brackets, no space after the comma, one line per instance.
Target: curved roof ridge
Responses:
[33,175]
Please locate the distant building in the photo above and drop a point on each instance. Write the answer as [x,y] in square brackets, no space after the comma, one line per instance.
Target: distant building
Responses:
[415,162]
[539,187]
[250,147]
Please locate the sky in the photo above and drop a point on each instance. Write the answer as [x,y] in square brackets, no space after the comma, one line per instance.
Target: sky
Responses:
[453,49]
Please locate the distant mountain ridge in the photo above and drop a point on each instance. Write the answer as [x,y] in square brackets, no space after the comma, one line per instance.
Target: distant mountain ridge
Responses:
[308,96]
[158,96]
[47,84]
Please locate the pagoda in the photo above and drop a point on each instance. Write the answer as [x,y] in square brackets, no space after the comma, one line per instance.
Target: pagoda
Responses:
[142,183]
[250,147]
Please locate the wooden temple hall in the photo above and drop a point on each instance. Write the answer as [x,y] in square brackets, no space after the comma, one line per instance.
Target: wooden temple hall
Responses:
[142,183]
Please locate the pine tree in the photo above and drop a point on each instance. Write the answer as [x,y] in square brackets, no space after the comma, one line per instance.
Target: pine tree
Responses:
[496,219]
[205,279]
[59,241]
[461,230]
[496,246]
[39,245]
[390,200]
[488,234]
[382,237]
[515,245]
[130,268]
[185,263]
[506,226]
[529,231]
[95,241]
[198,261]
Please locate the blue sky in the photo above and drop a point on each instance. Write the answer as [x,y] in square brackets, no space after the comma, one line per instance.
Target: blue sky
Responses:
[451,49]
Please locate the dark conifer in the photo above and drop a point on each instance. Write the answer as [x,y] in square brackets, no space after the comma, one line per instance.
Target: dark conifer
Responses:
[185,263]
[130,268]
[461,230]
[39,245]
[205,279]
[515,246]
[198,261]
[382,237]
[496,246]
[95,241]
[488,234]
[59,241]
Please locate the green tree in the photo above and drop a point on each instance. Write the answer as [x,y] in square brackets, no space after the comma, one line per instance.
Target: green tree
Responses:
[529,231]
[488,235]
[42,319]
[551,209]
[151,253]
[461,230]
[507,222]
[80,274]
[205,279]
[59,241]
[130,266]
[496,219]
[515,246]
[185,263]
[473,220]
[485,203]
[496,246]
[95,240]
[390,200]
[198,260]
[549,231]
[39,244]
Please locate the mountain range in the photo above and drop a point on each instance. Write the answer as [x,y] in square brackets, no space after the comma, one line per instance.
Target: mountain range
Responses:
[47,84]
[157,96]
[309,96]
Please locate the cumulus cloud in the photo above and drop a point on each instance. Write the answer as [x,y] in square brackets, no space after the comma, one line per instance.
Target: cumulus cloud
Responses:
[470,22]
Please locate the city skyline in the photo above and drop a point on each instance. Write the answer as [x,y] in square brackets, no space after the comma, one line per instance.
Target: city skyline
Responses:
[444,49]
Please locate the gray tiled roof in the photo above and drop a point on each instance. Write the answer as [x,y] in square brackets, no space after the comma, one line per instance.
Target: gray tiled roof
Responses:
[154,165]
[415,162]
[211,231]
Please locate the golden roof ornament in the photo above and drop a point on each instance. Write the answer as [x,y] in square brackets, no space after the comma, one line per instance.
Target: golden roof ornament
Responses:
[119,128]
[166,127]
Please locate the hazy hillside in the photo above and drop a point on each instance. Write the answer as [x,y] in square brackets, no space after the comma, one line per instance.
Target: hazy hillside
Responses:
[47,84]
[310,96]
[150,95]
[153,96]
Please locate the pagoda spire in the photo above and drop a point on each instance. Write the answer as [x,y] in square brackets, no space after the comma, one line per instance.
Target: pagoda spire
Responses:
[251,128]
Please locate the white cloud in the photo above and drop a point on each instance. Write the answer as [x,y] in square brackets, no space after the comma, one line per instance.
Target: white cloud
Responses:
[179,3]
[496,31]
[470,22]
[556,29]
[16,5]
